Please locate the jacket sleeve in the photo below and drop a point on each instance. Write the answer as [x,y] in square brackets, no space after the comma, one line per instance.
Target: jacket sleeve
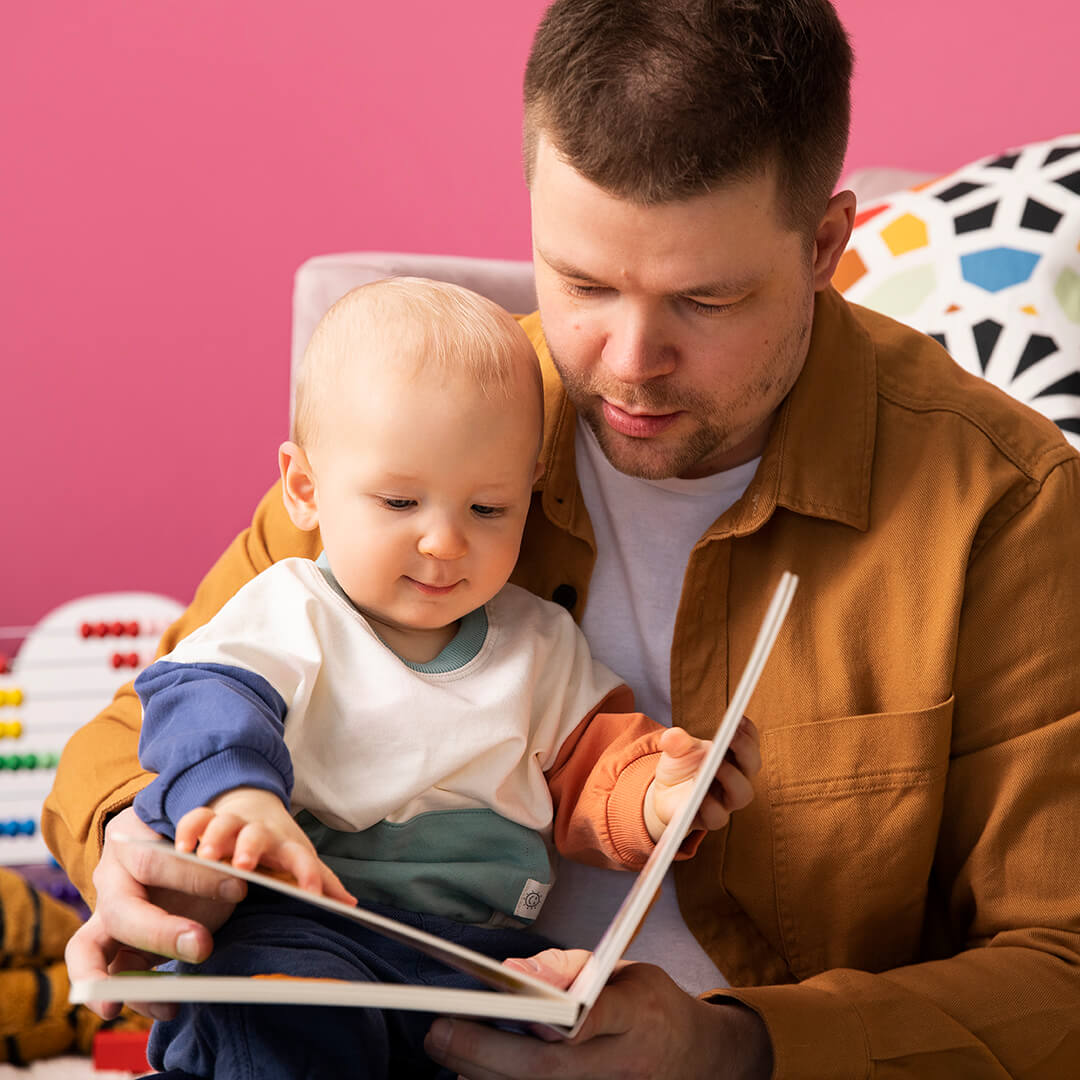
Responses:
[99,772]
[207,728]
[998,994]
[598,783]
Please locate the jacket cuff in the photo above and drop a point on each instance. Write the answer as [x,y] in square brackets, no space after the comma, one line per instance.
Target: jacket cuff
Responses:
[626,818]
[203,782]
[813,1033]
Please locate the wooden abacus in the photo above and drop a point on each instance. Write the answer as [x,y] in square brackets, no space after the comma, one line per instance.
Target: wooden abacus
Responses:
[66,669]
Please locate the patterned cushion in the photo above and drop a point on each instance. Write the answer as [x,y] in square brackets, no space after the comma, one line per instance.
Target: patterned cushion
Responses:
[986,260]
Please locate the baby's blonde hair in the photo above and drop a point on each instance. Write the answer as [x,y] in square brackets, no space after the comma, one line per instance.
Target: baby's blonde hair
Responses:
[431,326]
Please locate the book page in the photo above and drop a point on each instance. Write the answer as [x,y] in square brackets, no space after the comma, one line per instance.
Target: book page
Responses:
[514,995]
[594,975]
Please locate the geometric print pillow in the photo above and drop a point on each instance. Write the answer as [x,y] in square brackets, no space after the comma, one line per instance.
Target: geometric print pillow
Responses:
[987,261]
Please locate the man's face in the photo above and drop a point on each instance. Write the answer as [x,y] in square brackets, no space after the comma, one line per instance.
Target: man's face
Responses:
[677,329]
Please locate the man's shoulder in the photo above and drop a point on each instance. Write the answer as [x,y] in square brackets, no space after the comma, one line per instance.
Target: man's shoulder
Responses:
[924,385]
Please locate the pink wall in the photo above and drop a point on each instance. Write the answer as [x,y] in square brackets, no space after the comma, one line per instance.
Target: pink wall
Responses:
[167,165]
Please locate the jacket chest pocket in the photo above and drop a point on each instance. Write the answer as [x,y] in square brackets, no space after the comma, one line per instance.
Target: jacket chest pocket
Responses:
[855,806]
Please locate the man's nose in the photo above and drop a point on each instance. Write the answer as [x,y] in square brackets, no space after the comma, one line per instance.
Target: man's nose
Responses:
[637,348]
[443,538]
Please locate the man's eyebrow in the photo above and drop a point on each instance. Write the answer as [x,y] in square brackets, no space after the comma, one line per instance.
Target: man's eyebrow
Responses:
[737,286]
[720,289]
[567,269]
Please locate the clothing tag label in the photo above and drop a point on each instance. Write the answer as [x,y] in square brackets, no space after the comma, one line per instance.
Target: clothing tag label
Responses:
[532,899]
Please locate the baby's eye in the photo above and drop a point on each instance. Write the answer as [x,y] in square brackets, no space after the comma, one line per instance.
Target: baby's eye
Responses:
[486,511]
[398,504]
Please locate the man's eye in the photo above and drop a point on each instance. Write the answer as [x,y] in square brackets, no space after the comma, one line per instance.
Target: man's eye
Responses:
[706,309]
[583,290]
[398,504]
[486,511]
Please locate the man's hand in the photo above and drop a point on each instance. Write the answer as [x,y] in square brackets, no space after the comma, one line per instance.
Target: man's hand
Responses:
[253,828]
[149,908]
[678,765]
[642,1025]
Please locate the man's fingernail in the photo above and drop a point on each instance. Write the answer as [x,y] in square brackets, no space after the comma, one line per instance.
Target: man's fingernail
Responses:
[231,891]
[440,1034]
[187,946]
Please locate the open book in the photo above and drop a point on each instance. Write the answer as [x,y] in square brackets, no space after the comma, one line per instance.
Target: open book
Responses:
[513,995]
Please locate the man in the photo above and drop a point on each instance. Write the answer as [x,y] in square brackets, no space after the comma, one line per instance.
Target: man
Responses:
[898,899]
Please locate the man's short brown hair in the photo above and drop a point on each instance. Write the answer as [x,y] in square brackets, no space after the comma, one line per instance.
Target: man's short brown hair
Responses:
[659,100]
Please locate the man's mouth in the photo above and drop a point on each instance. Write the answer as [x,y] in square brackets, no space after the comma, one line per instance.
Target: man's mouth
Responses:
[637,425]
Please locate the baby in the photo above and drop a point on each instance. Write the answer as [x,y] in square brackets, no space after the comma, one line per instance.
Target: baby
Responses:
[395,722]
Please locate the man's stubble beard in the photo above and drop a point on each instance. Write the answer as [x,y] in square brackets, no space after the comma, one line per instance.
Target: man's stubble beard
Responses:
[714,431]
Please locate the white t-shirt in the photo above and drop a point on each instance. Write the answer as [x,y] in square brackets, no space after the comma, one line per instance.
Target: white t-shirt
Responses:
[645,531]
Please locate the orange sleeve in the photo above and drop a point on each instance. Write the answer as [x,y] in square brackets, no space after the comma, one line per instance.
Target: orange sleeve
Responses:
[99,771]
[598,783]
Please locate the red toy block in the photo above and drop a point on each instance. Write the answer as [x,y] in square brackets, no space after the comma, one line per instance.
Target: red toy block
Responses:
[121,1051]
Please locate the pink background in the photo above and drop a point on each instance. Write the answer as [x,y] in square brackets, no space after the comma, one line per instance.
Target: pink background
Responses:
[166,166]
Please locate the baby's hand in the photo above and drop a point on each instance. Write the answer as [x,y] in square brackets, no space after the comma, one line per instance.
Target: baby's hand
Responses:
[252,828]
[678,765]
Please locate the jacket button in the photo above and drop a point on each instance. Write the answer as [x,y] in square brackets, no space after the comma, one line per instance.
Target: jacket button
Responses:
[565,596]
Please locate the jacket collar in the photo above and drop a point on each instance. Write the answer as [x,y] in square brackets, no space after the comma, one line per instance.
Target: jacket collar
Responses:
[818,456]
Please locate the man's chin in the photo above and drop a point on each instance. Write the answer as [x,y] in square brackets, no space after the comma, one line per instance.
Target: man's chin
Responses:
[645,459]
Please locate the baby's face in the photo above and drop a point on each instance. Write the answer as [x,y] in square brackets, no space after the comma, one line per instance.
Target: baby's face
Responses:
[423,488]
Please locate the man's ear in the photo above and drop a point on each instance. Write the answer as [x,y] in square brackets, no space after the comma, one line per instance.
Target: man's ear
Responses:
[298,487]
[831,237]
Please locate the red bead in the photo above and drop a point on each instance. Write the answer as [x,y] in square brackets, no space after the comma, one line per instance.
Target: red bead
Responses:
[117,660]
[133,659]
[100,629]
[133,629]
[5,664]
[118,629]
[86,629]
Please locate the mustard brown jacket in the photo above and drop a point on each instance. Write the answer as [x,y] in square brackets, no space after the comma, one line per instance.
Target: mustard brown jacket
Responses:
[902,897]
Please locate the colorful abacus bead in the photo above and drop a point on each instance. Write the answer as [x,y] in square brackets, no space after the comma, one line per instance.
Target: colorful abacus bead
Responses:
[11,729]
[15,762]
[117,628]
[12,696]
[18,827]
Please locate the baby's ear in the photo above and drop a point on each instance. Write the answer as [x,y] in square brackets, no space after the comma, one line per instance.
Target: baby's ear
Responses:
[298,487]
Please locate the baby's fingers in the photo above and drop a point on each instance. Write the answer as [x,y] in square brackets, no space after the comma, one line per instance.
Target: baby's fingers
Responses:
[730,791]
[332,887]
[745,749]
[254,844]
[681,757]
[219,835]
[298,858]
[191,827]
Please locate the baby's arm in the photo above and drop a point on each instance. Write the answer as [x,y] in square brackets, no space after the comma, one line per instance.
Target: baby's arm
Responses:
[678,765]
[252,827]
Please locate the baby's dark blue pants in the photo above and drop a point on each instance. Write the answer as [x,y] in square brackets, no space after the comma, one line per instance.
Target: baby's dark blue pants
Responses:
[269,933]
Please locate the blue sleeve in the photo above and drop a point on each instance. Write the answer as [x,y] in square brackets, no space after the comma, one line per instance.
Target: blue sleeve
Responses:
[207,728]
